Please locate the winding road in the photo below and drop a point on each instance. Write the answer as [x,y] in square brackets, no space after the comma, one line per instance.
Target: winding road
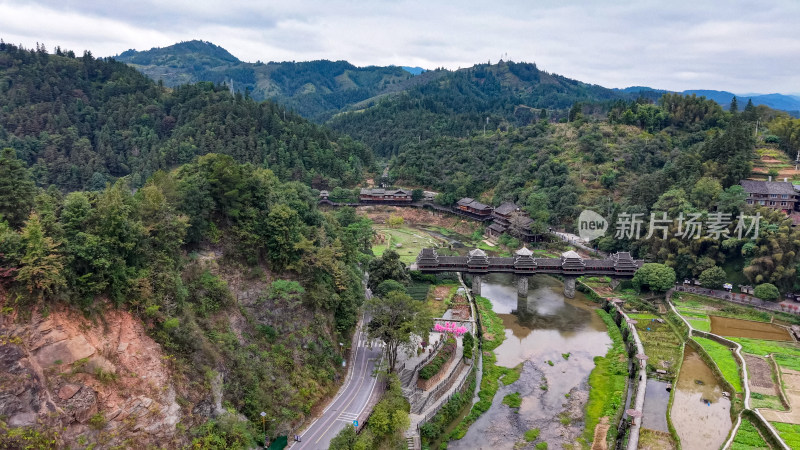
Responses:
[350,402]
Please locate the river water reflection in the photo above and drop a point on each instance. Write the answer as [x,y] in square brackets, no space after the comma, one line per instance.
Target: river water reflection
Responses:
[545,324]
[540,329]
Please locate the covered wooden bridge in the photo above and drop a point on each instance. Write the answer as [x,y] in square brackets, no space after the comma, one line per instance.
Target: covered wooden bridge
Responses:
[523,264]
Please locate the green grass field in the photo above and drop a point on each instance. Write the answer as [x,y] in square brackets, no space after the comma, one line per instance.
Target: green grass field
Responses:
[747,437]
[699,307]
[411,242]
[766,401]
[787,354]
[701,324]
[790,433]
[607,380]
[724,359]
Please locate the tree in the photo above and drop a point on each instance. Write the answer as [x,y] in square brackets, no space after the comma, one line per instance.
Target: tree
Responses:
[416,195]
[395,318]
[344,440]
[16,188]
[732,200]
[657,277]
[387,286]
[42,264]
[394,221]
[387,267]
[766,291]
[705,192]
[283,232]
[712,278]
[734,108]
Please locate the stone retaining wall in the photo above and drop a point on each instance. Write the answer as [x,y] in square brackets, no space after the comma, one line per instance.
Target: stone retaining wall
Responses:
[426,384]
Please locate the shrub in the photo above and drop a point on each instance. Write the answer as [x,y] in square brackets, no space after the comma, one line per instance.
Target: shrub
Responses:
[513,400]
[434,366]
[97,421]
[387,286]
[657,277]
[532,434]
[712,278]
[766,291]
[468,342]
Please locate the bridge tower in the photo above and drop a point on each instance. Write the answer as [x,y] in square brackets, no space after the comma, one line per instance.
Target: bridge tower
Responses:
[523,261]
[478,264]
[571,261]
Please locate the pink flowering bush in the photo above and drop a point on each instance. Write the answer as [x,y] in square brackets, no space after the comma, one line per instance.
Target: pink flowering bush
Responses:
[450,328]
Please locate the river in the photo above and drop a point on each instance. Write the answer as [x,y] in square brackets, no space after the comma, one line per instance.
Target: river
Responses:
[541,329]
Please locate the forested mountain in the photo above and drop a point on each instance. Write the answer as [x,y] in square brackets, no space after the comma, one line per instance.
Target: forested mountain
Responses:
[315,89]
[460,103]
[684,154]
[80,122]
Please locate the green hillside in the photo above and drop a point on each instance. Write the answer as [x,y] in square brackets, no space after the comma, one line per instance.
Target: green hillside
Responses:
[80,122]
[315,89]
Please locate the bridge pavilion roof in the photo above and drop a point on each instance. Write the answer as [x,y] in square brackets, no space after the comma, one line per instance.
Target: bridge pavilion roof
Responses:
[428,256]
[524,258]
[571,260]
[477,257]
[624,261]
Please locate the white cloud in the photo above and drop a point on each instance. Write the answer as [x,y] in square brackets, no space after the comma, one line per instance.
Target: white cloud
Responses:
[685,44]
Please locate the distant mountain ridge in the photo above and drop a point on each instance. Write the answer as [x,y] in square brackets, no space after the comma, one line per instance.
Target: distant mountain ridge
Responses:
[783,102]
[316,89]
[320,90]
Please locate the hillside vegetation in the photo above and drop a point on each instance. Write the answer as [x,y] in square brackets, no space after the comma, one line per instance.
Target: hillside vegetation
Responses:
[81,122]
[315,89]
[682,155]
[224,259]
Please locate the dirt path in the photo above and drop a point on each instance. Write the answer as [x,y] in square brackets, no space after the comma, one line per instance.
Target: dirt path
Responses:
[791,380]
[600,434]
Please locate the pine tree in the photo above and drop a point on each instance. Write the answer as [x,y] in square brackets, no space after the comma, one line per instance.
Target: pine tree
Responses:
[16,188]
[42,270]
[734,108]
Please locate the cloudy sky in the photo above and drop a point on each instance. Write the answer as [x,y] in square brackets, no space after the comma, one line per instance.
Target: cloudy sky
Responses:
[740,46]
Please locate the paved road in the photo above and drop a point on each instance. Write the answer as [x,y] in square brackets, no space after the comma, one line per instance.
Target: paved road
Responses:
[349,402]
[578,242]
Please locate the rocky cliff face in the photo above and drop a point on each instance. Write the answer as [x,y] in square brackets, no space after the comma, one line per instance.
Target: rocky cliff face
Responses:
[100,382]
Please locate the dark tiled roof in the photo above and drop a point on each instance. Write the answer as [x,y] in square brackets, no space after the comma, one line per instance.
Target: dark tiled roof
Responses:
[548,262]
[472,203]
[428,256]
[768,187]
[506,208]
[497,227]
[599,263]
[501,261]
[458,260]
[465,201]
